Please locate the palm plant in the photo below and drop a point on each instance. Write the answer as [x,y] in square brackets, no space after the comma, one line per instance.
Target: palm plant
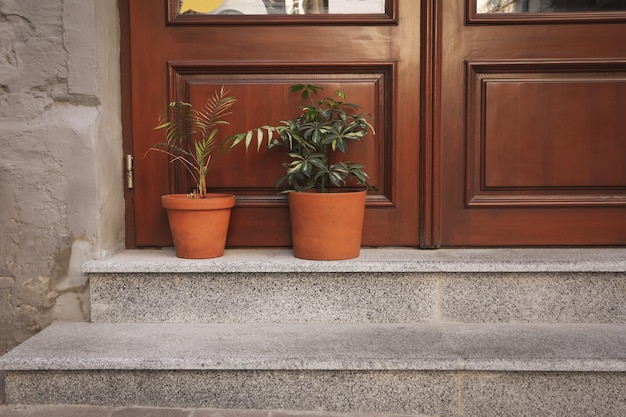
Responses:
[191,135]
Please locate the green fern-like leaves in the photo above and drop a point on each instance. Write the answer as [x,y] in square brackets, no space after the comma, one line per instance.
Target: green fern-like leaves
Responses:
[192,136]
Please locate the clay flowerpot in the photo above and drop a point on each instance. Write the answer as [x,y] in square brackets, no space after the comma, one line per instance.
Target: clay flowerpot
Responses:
[327,226]
[199,225]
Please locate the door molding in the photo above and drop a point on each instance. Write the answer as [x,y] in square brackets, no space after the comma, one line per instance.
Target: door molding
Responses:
[430,50]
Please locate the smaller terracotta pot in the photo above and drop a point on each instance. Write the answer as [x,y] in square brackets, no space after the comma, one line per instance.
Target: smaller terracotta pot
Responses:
[327,226]
[199,226]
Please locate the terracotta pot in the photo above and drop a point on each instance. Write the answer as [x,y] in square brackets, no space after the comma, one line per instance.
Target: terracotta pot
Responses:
[199,226]
[327,226]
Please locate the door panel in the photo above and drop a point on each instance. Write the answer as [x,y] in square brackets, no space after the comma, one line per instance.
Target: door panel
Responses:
[546,133]
[256,60]
[531,131]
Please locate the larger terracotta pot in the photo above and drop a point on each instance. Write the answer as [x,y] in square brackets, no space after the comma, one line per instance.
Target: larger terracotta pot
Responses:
[327,226]
[199,226]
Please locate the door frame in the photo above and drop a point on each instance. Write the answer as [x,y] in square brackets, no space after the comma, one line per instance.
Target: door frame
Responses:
[127,120]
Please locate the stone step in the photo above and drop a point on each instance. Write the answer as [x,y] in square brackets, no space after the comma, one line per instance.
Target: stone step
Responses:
[63,410]
[381,286]
[458,369]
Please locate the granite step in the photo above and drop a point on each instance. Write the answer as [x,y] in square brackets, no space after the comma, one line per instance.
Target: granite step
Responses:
[390,285]
[106,411]
[471,332]
[451,369]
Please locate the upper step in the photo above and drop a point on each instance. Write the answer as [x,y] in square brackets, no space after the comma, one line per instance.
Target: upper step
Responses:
[381,286]
[371,260]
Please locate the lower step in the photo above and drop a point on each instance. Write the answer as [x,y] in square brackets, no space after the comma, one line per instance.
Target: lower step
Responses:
[425,369]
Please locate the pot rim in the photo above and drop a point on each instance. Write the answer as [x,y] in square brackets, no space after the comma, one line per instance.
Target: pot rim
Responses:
[213,201]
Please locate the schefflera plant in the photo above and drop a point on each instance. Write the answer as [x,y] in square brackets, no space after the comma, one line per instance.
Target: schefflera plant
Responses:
[323,127]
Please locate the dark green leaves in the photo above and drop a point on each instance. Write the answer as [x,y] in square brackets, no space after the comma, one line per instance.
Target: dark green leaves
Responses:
[322,128]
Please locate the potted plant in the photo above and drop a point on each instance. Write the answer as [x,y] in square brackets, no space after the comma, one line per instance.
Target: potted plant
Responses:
[326,224]
[198,221]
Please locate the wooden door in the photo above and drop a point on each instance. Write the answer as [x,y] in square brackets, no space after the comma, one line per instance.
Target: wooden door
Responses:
[529,131]
[373,58]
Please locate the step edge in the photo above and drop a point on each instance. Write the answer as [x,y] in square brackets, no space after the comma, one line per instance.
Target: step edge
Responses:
[616,365]
[433,346]
[379,260]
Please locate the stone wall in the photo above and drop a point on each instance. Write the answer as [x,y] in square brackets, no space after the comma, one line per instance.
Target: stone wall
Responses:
[61,196]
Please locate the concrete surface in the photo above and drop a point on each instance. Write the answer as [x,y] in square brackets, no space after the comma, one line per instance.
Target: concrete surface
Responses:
[371,260]
[65,410]
[403,297]
[60,129]
[94,411]
[435,370]
[353,347]
[384,285]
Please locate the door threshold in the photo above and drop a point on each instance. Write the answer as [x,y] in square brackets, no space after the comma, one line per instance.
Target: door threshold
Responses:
[373,260]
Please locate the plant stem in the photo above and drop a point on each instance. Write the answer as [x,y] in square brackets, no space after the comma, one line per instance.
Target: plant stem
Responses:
[202,185]
[326,178]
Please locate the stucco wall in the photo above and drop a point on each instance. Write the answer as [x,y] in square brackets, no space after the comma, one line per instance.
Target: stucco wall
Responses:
[61,196]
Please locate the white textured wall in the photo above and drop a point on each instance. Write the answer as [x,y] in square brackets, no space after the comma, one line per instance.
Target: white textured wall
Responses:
[61,197]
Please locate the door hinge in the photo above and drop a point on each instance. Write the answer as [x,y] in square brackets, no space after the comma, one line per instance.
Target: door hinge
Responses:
[130,174]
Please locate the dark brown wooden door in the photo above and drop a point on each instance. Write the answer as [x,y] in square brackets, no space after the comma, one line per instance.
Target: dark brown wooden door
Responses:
[529,132]
[375,59]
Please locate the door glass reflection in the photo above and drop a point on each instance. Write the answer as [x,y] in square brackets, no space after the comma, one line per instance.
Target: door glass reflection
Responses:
[280,7]
[547,6]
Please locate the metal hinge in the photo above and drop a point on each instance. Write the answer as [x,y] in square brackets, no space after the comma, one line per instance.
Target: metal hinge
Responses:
[130,174]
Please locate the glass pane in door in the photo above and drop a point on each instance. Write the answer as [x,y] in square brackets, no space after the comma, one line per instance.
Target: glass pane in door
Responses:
[280,7]
[548,6]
